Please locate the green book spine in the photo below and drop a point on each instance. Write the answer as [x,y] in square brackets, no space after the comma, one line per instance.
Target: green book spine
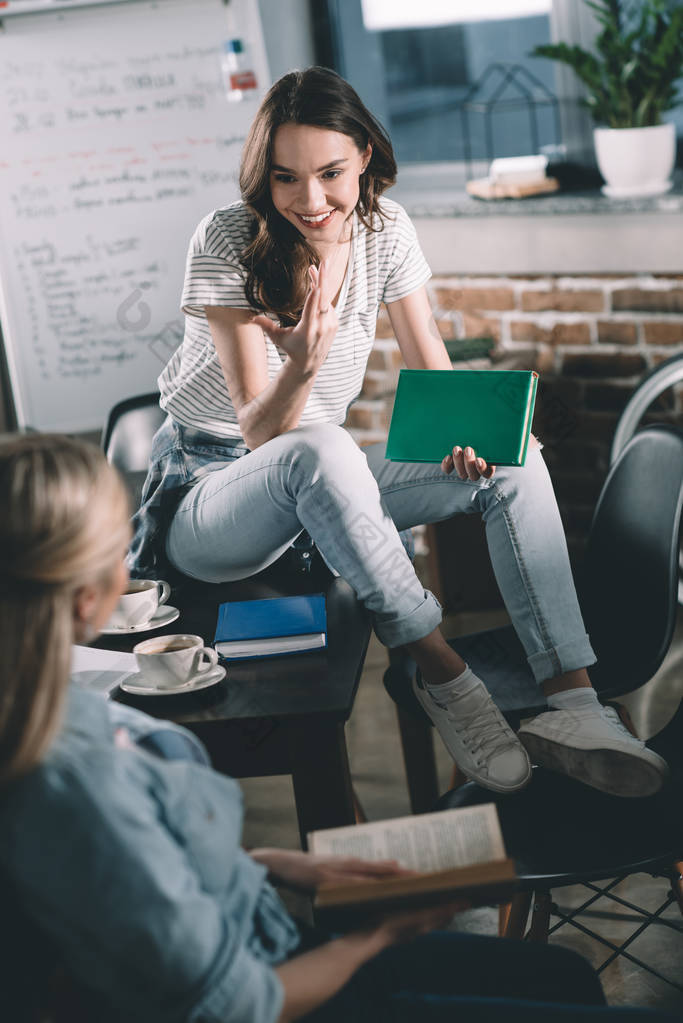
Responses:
[531,404]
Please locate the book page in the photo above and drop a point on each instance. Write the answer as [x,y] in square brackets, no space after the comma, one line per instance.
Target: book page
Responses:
[271,645]
[427,842]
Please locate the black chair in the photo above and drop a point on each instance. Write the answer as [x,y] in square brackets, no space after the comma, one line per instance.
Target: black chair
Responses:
[127,439]
[559,831]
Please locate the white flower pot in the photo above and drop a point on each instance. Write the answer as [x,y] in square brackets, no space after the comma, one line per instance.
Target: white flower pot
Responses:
[636,161]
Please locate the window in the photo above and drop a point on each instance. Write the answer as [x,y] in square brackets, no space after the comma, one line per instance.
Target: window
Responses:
[415,78]
[416,63]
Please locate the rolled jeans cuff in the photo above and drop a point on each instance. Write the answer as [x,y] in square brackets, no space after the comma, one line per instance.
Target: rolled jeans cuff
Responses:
[418,623]
[564,657]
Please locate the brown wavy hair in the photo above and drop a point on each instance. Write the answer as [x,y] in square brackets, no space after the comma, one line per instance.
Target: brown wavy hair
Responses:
[277,258]
[63,525]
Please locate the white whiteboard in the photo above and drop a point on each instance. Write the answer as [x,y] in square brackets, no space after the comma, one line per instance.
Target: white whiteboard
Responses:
[116,138]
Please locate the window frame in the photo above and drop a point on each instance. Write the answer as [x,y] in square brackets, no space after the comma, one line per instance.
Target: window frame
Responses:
[570,21]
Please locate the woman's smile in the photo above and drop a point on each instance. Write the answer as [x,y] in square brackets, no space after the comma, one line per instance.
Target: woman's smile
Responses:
[314,178]
[316,220]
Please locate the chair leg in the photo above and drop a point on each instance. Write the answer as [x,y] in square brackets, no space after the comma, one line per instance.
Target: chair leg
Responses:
[358,811]
[677,883]
[512,916]
[420,762]
[540,917]
[624,716]
[458,777]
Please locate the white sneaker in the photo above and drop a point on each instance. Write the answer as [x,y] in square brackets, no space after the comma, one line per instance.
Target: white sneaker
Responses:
[594,748]
[478,738]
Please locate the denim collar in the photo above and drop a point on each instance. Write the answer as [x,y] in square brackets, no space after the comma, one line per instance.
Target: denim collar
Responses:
[86,718]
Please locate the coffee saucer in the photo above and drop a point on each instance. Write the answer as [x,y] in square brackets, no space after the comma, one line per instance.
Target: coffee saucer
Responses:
[164,615]
[200,681]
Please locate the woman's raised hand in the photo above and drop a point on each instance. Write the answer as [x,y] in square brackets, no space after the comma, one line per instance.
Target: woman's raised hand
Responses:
[307,343]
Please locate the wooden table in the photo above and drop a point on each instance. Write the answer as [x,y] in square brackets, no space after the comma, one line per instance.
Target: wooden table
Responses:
[280,715]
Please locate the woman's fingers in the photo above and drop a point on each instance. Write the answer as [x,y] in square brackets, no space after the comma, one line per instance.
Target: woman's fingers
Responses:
[310,307]
[316,275]
[468,466]
[273,330]
[320,288]
[459,462]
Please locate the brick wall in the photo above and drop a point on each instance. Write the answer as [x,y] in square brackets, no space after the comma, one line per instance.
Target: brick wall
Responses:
[591,339]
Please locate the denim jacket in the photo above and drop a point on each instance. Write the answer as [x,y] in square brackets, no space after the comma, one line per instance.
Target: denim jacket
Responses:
[132,866]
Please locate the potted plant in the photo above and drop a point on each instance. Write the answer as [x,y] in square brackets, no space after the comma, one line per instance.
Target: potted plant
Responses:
[630,82]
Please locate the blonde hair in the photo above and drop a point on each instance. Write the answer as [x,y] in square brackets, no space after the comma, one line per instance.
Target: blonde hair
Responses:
[63,525]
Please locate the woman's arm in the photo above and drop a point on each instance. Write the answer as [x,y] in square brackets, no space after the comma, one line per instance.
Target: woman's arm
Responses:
[417,333]
[314,977]
[264,408]
[422,347]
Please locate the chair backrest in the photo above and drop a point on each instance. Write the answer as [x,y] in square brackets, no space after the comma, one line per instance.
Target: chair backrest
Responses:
[131,425]
[629,587]
[127,438]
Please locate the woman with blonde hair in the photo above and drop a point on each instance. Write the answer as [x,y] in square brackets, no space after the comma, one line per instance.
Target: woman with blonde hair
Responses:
[128,869]
[63,535]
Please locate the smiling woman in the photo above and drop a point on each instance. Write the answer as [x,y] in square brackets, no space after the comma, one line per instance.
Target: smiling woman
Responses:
[281,297]
[314,156]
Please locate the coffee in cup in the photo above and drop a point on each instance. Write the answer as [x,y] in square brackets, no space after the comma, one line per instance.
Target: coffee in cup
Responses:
[167,662]
[138,602]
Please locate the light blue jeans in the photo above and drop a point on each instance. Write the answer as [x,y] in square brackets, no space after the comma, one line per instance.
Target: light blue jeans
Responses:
[239,519]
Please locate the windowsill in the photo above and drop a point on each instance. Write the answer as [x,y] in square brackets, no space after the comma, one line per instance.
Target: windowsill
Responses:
[567,232]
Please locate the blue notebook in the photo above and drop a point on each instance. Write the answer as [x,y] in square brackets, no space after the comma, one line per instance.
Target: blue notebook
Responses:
[267,628]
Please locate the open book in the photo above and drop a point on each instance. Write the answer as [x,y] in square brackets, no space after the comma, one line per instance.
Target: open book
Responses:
[457,853]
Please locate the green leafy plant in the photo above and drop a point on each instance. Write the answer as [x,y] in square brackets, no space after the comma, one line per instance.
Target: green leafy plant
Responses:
[631,79]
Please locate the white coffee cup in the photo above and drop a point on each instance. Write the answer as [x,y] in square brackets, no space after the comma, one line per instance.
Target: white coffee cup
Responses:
[139,602]
[170,661]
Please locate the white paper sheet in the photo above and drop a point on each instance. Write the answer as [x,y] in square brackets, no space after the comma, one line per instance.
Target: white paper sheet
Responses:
[101,670]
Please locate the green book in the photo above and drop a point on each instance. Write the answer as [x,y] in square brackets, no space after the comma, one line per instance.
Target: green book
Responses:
[488,410]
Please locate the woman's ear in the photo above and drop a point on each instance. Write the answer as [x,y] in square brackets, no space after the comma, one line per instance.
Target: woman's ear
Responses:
[366,156]
[86,602]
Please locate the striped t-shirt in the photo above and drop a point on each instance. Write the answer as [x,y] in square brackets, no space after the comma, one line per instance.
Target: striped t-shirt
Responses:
[384,266]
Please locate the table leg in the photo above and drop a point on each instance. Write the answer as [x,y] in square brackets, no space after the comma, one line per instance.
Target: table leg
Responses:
[321,778]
